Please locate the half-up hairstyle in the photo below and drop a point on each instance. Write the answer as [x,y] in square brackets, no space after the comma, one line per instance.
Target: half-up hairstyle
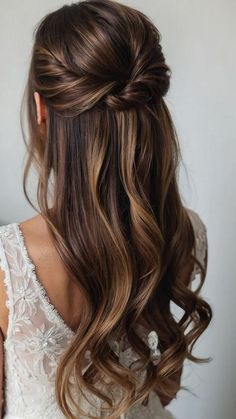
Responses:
[107,158]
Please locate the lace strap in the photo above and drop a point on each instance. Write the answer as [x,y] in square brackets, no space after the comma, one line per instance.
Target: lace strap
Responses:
[200,232]
[4,266]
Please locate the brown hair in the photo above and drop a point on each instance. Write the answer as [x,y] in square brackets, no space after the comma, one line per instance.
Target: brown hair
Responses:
[107,188]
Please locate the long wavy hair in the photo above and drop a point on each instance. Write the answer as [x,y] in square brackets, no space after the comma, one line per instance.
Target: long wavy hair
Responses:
[107,157]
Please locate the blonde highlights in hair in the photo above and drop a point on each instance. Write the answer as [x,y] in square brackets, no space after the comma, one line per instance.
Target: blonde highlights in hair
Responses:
[107,161]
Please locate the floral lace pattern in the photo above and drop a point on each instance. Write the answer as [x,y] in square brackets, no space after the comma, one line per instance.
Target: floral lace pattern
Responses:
[37,336]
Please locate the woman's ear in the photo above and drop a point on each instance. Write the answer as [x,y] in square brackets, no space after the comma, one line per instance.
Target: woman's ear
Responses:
[40,108]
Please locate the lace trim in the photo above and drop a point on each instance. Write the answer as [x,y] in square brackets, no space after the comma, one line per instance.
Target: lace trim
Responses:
[200,232]
[52,312]
[4,230]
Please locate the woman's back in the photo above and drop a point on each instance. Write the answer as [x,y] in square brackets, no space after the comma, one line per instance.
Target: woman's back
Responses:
[37,321]
[64,293]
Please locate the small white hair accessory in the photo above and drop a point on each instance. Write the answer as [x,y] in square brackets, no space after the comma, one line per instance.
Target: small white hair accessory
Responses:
[153,346]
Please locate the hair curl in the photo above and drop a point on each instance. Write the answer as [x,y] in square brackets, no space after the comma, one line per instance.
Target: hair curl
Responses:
[107,188]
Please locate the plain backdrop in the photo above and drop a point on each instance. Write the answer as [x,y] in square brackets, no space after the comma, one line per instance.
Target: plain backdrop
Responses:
[198,40]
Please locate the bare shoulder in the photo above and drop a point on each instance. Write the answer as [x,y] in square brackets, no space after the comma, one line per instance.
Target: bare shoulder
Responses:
[35,225]
[36,234]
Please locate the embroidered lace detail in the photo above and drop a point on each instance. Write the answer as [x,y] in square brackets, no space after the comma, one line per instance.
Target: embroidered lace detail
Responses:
[37,337]
[52,312]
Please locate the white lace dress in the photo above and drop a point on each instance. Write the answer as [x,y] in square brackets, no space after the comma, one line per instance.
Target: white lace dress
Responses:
[37,336]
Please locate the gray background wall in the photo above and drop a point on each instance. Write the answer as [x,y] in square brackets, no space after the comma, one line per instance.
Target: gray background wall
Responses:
[198,38]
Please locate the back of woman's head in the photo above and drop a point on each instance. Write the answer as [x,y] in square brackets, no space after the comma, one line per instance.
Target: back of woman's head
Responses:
[107,156]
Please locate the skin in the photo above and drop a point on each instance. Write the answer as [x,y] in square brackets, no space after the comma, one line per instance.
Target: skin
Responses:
[62,291]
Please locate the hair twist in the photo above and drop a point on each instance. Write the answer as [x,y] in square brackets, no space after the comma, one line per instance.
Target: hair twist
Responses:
[133,93]
[72,86]
[149,80]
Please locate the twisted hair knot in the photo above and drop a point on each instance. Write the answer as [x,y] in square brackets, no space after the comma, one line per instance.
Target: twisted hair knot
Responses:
[120,72]
[140,91]
[73,92]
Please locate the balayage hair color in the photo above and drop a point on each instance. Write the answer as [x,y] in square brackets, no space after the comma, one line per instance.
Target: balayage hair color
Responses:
[107,159]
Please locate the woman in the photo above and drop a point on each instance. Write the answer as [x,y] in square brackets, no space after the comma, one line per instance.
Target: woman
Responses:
[87,284]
